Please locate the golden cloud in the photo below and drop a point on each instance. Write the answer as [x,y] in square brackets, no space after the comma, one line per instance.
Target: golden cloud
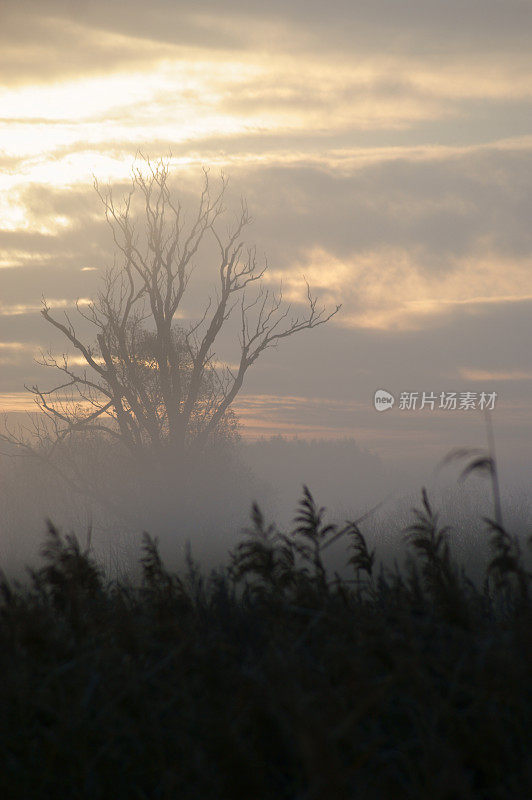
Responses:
[390,288]
[495,375]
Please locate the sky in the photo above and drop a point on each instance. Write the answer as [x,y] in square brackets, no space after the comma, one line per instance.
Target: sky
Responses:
[384,150]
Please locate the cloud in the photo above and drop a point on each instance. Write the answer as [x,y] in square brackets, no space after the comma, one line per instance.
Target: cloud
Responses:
[493,375]
[26,308]
[295,415]
[18,346]
[15,401]
[399,238]
[385,24]
[38,45]
[390,289]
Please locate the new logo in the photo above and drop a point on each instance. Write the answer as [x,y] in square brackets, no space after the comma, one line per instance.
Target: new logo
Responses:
[383,400]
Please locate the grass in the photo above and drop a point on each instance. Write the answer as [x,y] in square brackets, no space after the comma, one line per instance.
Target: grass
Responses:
[270,678]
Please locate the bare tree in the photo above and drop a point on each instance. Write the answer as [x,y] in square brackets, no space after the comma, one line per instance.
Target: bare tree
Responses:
[148,384]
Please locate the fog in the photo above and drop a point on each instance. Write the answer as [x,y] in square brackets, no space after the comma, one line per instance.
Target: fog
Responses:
[381,153]
[208,505]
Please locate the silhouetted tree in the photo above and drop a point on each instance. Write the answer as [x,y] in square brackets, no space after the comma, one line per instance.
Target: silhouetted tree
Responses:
[148,384]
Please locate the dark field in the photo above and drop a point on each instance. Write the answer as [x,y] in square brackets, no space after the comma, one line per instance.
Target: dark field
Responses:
[271,678]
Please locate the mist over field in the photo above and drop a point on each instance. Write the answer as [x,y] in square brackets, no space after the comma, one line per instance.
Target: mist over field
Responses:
[265,399]
[211,508]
